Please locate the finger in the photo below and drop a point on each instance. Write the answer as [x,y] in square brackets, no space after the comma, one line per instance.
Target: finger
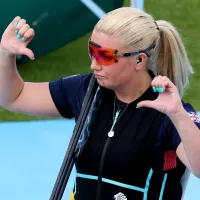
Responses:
[167,83]
[155,84]
[14,23]
[27,52]
[164,82]
[20,23]
[152,104]
[157,81]
[23,30]
[29,34]
[161,82]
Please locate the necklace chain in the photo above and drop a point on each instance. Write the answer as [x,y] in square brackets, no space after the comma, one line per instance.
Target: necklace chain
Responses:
[117,115]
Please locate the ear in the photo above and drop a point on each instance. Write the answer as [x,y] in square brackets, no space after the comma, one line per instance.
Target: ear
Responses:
[141,61]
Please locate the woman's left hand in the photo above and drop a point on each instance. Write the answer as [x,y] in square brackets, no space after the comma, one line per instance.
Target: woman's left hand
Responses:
[168,101]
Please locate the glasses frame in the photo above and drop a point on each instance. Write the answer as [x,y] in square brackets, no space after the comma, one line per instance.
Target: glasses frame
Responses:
[115,51]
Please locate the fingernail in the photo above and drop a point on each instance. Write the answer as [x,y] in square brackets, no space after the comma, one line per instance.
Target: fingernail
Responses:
[154,89]
[15,24]
[16,32]
[23,39]
[161,89]
[158,89]
[18,36]
[138,106]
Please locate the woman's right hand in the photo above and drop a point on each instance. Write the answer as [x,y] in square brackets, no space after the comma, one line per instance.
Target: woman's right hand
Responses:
[16,37]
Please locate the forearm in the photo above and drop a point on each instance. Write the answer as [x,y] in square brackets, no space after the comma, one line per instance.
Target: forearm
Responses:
[11,83]
[190,137]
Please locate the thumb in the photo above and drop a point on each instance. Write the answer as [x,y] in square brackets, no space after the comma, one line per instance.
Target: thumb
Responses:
[150,104]
[27,52]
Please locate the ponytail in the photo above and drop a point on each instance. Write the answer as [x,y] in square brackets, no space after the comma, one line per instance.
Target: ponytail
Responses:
[172,60]
[138,31]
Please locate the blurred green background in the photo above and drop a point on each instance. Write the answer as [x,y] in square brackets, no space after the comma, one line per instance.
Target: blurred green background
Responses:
[73,57]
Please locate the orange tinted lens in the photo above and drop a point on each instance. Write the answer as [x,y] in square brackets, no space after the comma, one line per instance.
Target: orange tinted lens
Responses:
[90,52]
[103,56]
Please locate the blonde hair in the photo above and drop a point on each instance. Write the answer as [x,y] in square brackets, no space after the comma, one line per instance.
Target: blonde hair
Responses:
[138,30]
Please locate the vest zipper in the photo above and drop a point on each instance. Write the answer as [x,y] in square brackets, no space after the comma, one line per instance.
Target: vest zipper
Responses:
[110,135]
[101,169]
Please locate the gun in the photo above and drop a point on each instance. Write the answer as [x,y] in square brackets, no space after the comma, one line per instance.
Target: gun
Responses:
[69,159]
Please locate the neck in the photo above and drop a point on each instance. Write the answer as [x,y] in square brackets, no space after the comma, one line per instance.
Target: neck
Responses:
[134,89]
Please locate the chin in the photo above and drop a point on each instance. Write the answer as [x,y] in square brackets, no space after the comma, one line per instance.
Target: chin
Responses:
[104,84]
[101,82]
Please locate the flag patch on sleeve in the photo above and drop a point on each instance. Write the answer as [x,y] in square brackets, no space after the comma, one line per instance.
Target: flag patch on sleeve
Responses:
[194,117]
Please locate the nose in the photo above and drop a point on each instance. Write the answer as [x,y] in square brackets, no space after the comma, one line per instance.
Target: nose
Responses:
[95,66]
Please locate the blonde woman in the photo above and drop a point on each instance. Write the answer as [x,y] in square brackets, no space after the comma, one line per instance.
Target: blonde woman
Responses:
[144,140]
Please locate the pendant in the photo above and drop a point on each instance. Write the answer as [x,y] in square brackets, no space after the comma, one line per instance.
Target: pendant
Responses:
[111,134]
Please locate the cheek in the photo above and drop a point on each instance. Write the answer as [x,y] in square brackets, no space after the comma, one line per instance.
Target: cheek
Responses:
[116,74]
[120,71]
[112,72]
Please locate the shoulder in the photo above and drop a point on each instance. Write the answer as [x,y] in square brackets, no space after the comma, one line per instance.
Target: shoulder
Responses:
[75,86]
[77,80]
[71,84]
[168,133]
[187,106]
[192,113]
[189,109]
[78,77]
[68,93]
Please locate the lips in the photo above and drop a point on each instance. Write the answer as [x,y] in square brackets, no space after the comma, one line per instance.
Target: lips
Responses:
[98,76]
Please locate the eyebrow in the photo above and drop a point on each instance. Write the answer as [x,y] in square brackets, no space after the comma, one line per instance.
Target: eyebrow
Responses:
[95,44]
[99,46]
